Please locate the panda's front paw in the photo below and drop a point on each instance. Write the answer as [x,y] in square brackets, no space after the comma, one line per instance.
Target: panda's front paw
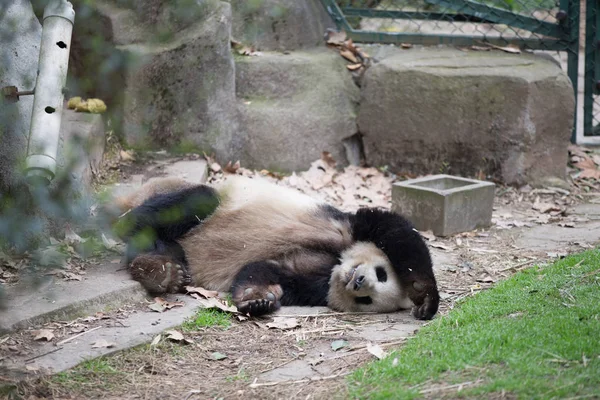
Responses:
[258,301]
[257,308]
[428,309]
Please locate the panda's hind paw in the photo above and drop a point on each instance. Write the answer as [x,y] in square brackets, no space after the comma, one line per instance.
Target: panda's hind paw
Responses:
[158,274]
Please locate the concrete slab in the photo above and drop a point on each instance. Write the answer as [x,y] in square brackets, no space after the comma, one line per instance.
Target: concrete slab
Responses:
[555,238]
[103,286]
[589,210]
[138,328]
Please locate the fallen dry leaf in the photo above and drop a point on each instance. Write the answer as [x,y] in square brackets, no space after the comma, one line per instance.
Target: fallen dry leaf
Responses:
[338,344]
[353,67]
[544,207]
[213,302]
[174,335]
[376,350]
[439,245]
[126,155]
[283,323]
[232,168]
[202,292]
[161,304]
[218,356]
[349,44]
[156,340]
[348,55]
[406,45]
[44,334]
[335,38]
[511,48]
[102,343]
[215,167]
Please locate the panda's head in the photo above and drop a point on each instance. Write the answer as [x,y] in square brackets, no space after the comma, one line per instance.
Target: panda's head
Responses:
[365,281]
[387,269]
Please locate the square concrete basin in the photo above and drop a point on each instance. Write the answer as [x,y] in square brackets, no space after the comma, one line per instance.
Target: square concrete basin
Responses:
[445,204]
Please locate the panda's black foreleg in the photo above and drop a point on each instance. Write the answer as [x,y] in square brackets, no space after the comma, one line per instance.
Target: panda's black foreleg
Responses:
[262,287]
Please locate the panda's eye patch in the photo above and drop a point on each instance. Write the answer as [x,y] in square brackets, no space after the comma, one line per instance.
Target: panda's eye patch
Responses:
[381,274]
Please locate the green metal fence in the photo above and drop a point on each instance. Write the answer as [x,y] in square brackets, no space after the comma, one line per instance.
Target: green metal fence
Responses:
[591,77]
[540,25]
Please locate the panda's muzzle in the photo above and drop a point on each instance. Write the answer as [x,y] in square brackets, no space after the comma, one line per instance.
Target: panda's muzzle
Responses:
[358,282]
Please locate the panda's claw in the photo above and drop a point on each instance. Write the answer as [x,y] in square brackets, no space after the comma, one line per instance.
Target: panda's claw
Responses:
[258,307]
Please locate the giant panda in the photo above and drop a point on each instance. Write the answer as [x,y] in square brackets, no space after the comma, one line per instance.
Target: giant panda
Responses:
[271,246]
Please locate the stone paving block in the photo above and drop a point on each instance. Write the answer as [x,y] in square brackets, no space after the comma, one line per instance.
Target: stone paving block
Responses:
[445,204]
[103,286]
[138,328]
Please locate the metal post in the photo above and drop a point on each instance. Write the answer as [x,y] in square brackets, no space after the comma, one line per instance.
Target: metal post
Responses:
[48,101]
[589,80]
[574,16]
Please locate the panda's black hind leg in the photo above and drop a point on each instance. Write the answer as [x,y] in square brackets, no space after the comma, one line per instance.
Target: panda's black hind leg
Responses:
[256,290]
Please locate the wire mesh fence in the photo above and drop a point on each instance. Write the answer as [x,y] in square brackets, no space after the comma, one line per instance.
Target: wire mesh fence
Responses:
[537,25]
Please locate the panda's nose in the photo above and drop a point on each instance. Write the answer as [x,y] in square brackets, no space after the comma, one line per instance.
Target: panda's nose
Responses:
[358,282]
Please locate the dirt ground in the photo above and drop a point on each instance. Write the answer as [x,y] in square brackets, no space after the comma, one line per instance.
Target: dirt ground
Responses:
[304,362]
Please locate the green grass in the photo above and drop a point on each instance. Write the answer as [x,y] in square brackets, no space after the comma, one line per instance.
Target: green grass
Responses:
[534,336]
[207,317]
[87,372]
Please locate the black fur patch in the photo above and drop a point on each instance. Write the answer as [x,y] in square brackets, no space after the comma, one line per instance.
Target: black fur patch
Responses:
[298,289]
[381,274]
[363,300]
[166,217]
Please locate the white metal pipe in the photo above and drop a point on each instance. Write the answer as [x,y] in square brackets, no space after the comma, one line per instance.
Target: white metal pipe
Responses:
[48,100]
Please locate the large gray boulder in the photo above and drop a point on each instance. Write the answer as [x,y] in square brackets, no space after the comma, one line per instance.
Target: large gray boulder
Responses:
[295,106]
[183,90]
[445,110]
[20,35]
[280,24]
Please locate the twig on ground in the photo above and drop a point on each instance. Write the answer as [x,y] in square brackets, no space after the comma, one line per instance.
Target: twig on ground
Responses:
[44,354]
[277,366]
[76,336]
[450,387]
[191,393]
[520,265]
[255,385]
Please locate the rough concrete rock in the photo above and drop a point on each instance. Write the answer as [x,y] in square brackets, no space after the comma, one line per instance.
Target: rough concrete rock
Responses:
[433,110]
[159,18]
[280,24]
[294,107]
[21,33]
[184,90]
[81,146]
